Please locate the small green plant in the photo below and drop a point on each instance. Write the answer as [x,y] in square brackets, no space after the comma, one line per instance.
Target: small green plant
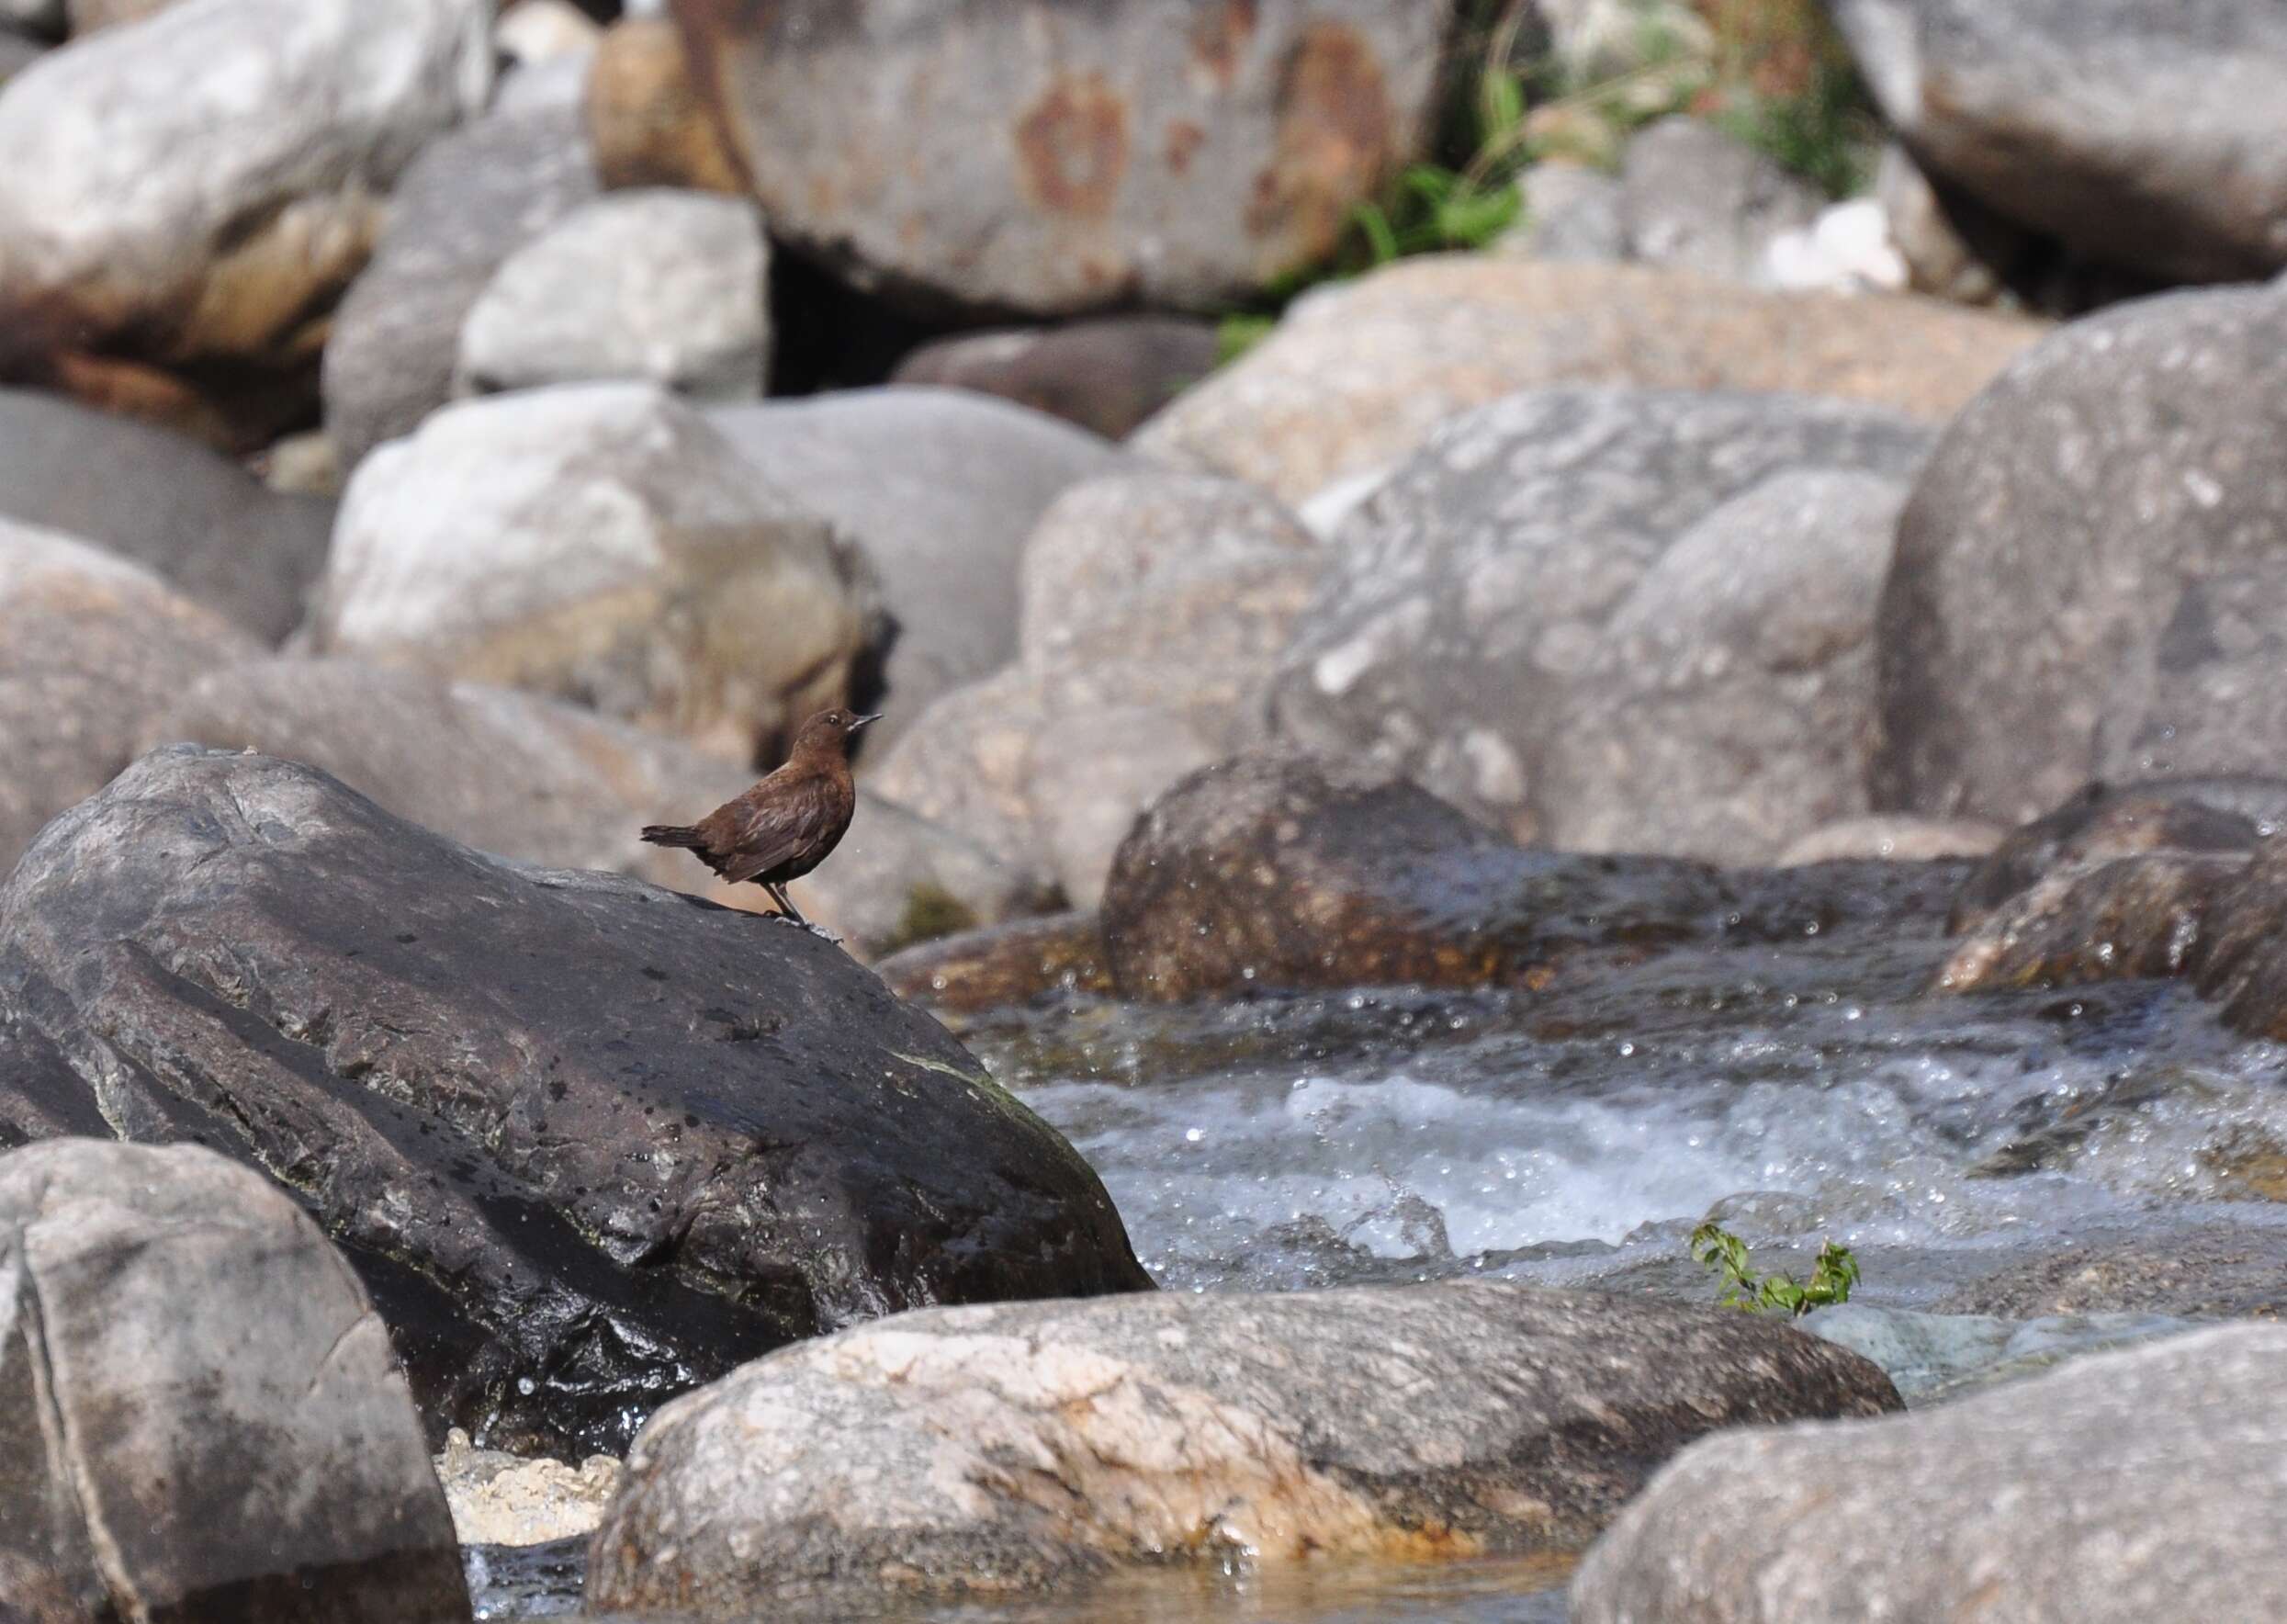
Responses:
[1716,1248]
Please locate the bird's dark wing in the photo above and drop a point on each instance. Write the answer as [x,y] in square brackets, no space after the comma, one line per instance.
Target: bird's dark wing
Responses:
[778,828]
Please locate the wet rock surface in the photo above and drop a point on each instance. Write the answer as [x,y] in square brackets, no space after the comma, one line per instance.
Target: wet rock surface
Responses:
[169,503]
[1002,964]
[1280,871]
[1466,606]
[2073,118]
[2214,1272]
[1129,160]
[590,1144]
[989,1449]
[91,648]
[600,543]
[2133,1486]
[1357,375]
[2080,583]
[163,1463]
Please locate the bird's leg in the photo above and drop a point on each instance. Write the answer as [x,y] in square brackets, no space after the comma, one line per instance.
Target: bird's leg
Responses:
[793,915]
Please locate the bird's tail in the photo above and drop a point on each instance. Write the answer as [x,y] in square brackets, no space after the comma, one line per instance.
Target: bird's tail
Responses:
[673,834]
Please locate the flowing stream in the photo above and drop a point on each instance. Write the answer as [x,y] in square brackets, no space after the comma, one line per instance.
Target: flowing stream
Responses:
[1804,1089]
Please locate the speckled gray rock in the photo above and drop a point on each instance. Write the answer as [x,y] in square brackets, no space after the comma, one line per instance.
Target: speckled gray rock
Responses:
[1729,708]
[1471,595]
[600,542]
[203,1417]
[2086,576]
[91,647]
[2142,132]
[170,503]
[2238,1271]
[667,286]
[468,201]
[1572,212]
[2127,1488]
[233,180]
[1357,374]
[941,488]
[1118,155]
[1696,198]
[1046,1444]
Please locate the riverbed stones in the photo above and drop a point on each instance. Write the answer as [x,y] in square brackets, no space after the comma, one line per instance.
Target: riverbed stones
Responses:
[657,284]
[235,182]
[646,120]
[1282,871]
[941,489]
[588,1143]
[1119,157]
[1044,1445]
[2234,1271]
[600,542]
[472,198]
[91,647]
[2128,1486]
[1469,603]
[1730,706]
[1108,375]
[2078,118]
[2086,572]
[1356,376]
[205,1420]
[166,501]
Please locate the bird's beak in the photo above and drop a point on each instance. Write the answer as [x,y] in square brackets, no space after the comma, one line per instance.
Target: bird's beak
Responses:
[857,722]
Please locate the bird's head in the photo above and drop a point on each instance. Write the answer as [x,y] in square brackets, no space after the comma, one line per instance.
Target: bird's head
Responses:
[828,731]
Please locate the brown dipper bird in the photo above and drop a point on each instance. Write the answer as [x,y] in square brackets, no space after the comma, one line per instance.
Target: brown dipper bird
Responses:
[784,826]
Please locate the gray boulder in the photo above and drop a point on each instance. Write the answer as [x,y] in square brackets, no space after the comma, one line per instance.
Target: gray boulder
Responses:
[2144,132]
[1572,212]
[941,489]
[203,1417]
[1729,708]
[1357,375]
[1472,596]
[169,503]
[2224,1270]
[667,286]
[2086,575]
[235,182]
[588,1143]
[1047,1445]
[1107,375]
[470,201]
[1698,200]
[1113,159]
[600,543]
[2127,1488]
[91,648]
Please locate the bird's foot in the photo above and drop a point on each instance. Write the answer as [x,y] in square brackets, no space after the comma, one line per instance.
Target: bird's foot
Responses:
[821,933]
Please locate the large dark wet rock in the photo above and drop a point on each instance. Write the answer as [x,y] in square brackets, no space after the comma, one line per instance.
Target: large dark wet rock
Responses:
[203,1419]
[1046,1444]
[2131,1487]
[2085,583]
[590,1142]
[1278,870]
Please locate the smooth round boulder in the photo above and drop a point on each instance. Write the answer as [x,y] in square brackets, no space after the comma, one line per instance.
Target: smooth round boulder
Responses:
[1117,155]
[91,648]
[1041,1446]
[1357,375]
[599,542]
[588,1143]
[203,1417]
[2088,572]
[667,286]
